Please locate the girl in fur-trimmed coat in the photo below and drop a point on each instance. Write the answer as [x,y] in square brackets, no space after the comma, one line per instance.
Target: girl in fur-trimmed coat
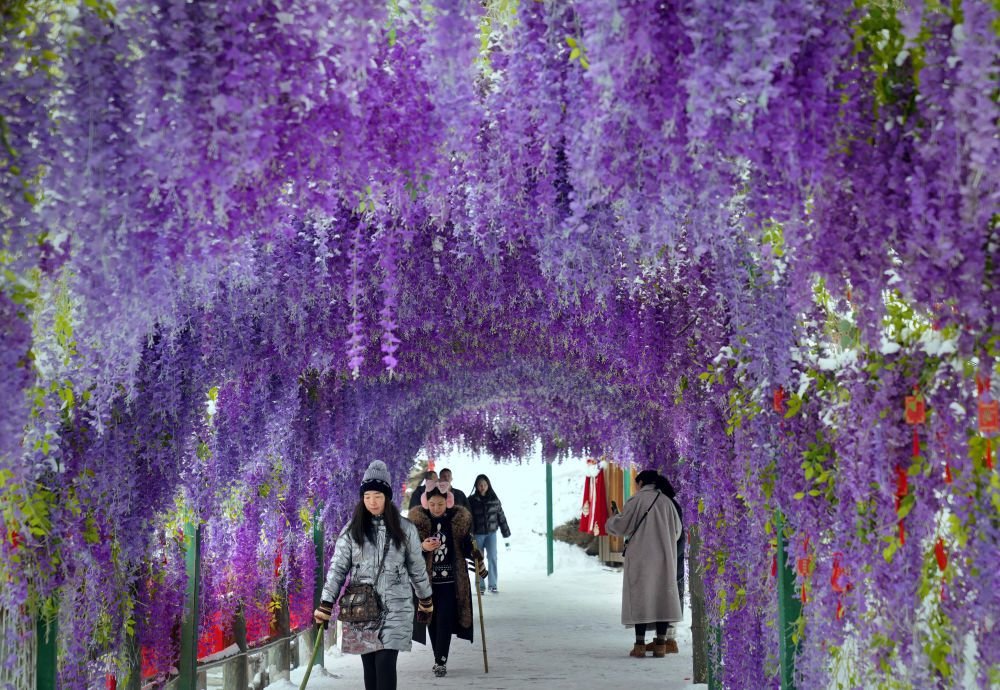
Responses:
[445,530]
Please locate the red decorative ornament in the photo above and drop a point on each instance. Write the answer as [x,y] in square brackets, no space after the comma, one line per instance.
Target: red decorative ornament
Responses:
[902,488]
[778,403]
[594,510]
[774,565]
[902,485]
[989,416]
[15,539]
[916,411]
[110,681]
[837,583]
[940,555]
[803,566]
[982,384]
[837,574]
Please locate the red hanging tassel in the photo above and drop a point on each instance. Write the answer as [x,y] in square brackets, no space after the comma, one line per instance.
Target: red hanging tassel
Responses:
[916,443]
[778,402]
[947,473]
[774,565]
[840,610]
[902,487]
[940,555]
[902,534]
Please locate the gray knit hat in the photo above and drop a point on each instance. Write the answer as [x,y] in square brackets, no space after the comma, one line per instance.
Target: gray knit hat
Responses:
[377,478]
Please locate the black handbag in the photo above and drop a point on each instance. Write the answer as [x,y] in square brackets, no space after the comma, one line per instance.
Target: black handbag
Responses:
[360,602]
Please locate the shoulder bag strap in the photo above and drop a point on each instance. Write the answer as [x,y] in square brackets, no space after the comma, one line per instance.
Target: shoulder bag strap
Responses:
[641,520]
[385,552]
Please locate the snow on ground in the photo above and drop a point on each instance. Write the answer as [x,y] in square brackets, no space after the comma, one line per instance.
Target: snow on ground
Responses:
[560,632]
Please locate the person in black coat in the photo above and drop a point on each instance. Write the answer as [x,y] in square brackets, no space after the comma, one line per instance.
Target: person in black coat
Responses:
[429,475]
[487,517]
[460,498]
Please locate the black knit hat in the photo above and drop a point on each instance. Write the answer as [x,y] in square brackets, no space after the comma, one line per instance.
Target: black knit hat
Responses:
[377,478]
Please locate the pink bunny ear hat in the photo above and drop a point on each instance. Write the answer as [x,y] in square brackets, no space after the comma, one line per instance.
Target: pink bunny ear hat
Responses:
[443,487]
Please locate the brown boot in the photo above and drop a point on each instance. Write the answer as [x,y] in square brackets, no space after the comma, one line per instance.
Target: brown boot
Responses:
[670,646]
[657,646]
[638,650]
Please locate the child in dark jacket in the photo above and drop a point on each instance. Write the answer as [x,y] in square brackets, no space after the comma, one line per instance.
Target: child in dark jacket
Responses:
[487,517]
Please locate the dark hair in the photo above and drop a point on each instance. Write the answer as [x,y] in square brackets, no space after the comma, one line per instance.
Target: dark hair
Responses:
[443,470]
[430,474]
[653,477]
[490,493]
[363,524]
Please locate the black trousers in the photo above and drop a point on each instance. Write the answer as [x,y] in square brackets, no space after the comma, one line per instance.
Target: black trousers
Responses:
[443,621]
[380,669]
[640,630]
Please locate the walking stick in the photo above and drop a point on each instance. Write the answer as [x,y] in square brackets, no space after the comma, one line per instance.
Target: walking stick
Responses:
[482,623]
[316,647]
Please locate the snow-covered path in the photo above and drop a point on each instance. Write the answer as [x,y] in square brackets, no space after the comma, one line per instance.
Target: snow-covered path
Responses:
[560,632]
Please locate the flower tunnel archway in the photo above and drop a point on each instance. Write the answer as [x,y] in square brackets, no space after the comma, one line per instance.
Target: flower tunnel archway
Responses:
[248,247]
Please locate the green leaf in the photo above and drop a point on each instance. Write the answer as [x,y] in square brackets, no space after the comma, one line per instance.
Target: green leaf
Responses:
[794,405]
[906,505]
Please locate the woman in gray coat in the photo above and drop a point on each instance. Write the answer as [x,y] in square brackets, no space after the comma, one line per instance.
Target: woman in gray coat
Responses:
[377,535]
[649,587]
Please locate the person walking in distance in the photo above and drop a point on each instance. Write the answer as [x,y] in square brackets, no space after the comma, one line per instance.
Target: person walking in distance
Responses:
[380,547]
[446,532]
[415,497]
[651,525]
[460,498]
[487,517]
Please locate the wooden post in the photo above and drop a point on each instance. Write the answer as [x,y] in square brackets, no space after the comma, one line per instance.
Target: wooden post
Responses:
[47,652]
[789,608]
[549,536]
[235,674]
[699,643]
[281,656]
[187,668]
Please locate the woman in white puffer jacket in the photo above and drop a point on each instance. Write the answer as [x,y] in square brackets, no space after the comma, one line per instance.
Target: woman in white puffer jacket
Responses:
[377,531]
